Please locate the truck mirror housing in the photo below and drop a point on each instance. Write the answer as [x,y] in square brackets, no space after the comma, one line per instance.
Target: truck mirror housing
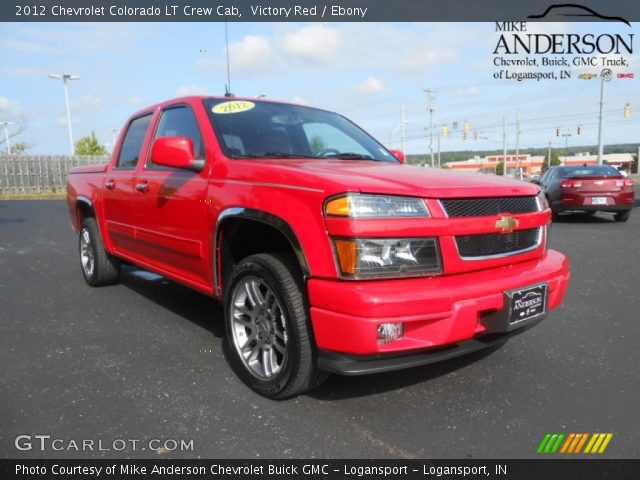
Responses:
[399,154]
[175,152]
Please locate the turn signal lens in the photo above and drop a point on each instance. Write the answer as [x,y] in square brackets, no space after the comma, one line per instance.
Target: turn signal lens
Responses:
[347,256]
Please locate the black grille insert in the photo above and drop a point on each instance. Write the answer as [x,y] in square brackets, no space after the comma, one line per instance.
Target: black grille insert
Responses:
[489,244]
[481,207]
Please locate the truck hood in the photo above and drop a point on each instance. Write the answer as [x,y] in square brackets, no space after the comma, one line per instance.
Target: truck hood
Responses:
[336,176]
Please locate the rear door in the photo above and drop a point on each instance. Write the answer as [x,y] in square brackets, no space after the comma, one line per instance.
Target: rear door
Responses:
[119,188]
[171,213]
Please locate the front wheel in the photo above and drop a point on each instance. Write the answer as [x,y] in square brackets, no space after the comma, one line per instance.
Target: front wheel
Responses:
[268,329]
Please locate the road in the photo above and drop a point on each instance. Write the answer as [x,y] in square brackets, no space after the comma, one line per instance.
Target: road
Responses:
[144,360]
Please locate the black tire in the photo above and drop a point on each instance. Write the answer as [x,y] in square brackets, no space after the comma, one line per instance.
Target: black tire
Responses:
[622,216]
[555,215]
[98,267]
[280,293]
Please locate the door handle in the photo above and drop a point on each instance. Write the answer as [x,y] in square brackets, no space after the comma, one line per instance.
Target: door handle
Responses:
[142,187]
[110,185]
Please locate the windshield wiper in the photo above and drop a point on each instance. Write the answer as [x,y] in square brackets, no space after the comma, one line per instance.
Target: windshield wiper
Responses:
[351,156]
[275,155]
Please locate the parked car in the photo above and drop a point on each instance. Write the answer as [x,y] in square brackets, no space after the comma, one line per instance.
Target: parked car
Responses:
[328,253]
[588,188]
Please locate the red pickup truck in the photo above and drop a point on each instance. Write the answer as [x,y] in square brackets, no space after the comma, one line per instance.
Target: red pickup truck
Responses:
[329,253]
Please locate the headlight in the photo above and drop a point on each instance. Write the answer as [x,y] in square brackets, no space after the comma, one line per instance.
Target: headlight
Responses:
[543,204]
[375,206]
[382,257]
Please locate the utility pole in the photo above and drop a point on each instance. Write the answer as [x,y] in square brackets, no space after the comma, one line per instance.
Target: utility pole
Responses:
[6,124]
[549,155]
[65,77]
[566,144]
[603,79]
[504,145]
[518,169]
[402,122]
[439,165]
[431,109]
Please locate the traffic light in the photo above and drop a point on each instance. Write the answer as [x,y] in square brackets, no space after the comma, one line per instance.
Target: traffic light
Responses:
[455,125]
[557,132]
[464,135]
[445,131]
[578,129]
[465,128]
[627,110]
[475,135]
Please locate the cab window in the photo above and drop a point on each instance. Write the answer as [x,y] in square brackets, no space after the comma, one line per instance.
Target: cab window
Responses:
[132,143]
[179,122]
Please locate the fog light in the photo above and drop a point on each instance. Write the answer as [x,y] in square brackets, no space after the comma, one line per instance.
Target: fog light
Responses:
[390,332]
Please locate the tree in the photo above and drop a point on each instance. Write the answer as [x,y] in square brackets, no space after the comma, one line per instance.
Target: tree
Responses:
[317,144]
[89,145]
[16,148]
[555,161]
[500,168]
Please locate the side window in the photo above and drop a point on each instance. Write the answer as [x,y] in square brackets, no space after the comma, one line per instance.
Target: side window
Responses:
[132,143]
[180,122]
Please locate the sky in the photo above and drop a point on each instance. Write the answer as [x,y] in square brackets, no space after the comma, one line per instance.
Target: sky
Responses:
[365,71]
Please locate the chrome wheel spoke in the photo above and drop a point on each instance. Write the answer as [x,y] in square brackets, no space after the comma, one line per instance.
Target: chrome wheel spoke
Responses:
[258,328]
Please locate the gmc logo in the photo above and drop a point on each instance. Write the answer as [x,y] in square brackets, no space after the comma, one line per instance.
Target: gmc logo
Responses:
[625,75]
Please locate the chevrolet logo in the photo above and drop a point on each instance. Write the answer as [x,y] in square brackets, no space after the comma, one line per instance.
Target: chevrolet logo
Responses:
[507,224]
[587,76]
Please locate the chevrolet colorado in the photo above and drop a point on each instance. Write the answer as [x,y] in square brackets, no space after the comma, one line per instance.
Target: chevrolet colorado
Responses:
[329,254]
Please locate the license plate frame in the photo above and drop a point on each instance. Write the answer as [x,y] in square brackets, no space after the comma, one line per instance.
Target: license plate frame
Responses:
[527,304]
[598,200]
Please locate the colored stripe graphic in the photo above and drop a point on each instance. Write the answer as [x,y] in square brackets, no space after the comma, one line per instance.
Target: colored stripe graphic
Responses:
[572,443]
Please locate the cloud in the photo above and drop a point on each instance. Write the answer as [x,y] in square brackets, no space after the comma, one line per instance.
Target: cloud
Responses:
[10,110]
[471,91]
[314,44]
[370,85]
[187,90]
[299,101]
[133,101]
[251,54]
[429,58]
[87,103]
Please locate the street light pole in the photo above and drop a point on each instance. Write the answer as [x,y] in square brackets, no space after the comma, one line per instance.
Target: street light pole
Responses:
[566,144]
[431,94]
[6,135]
[65,77]
[603,80]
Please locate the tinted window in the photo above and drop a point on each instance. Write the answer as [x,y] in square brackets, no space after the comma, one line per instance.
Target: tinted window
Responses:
[248,129]
[180,122]
[132,144]
[587,171]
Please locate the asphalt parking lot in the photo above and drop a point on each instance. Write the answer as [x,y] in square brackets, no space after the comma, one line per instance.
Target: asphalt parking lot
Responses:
[143,360]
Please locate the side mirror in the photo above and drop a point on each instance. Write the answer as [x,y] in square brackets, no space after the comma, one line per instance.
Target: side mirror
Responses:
[399,155]
[175,152]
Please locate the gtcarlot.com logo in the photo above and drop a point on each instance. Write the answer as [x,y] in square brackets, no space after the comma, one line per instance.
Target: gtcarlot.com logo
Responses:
[573,443]
[48,443]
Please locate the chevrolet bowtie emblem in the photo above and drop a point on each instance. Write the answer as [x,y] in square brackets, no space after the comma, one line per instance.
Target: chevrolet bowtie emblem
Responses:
[507,224]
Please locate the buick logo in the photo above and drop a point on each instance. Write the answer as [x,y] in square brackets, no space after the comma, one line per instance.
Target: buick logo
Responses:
[507,224]
[606,74]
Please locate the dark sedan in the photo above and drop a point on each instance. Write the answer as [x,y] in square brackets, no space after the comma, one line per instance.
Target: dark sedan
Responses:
[593,188]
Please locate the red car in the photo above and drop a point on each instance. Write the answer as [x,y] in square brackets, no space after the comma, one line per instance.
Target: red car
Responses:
[329,253]
[592,188]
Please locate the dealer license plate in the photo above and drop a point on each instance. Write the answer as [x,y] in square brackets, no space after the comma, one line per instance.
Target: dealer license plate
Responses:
[598,200]
[527,303]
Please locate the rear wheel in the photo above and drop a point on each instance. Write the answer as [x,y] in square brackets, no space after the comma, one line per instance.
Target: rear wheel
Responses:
[98,267]
[268,329]
[622,216]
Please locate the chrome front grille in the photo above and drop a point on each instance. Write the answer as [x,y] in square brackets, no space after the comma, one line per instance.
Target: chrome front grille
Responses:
[476,247]
[482,207]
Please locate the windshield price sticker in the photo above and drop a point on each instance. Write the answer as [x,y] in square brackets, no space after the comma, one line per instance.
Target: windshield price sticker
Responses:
[234,106]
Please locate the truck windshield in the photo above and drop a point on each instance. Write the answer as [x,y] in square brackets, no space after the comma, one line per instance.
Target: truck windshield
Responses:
[247,129]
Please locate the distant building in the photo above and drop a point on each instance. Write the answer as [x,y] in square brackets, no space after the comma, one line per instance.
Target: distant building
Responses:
[532,164]
[529,164]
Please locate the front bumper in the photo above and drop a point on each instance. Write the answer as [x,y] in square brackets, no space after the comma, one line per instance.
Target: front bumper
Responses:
[436,311]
